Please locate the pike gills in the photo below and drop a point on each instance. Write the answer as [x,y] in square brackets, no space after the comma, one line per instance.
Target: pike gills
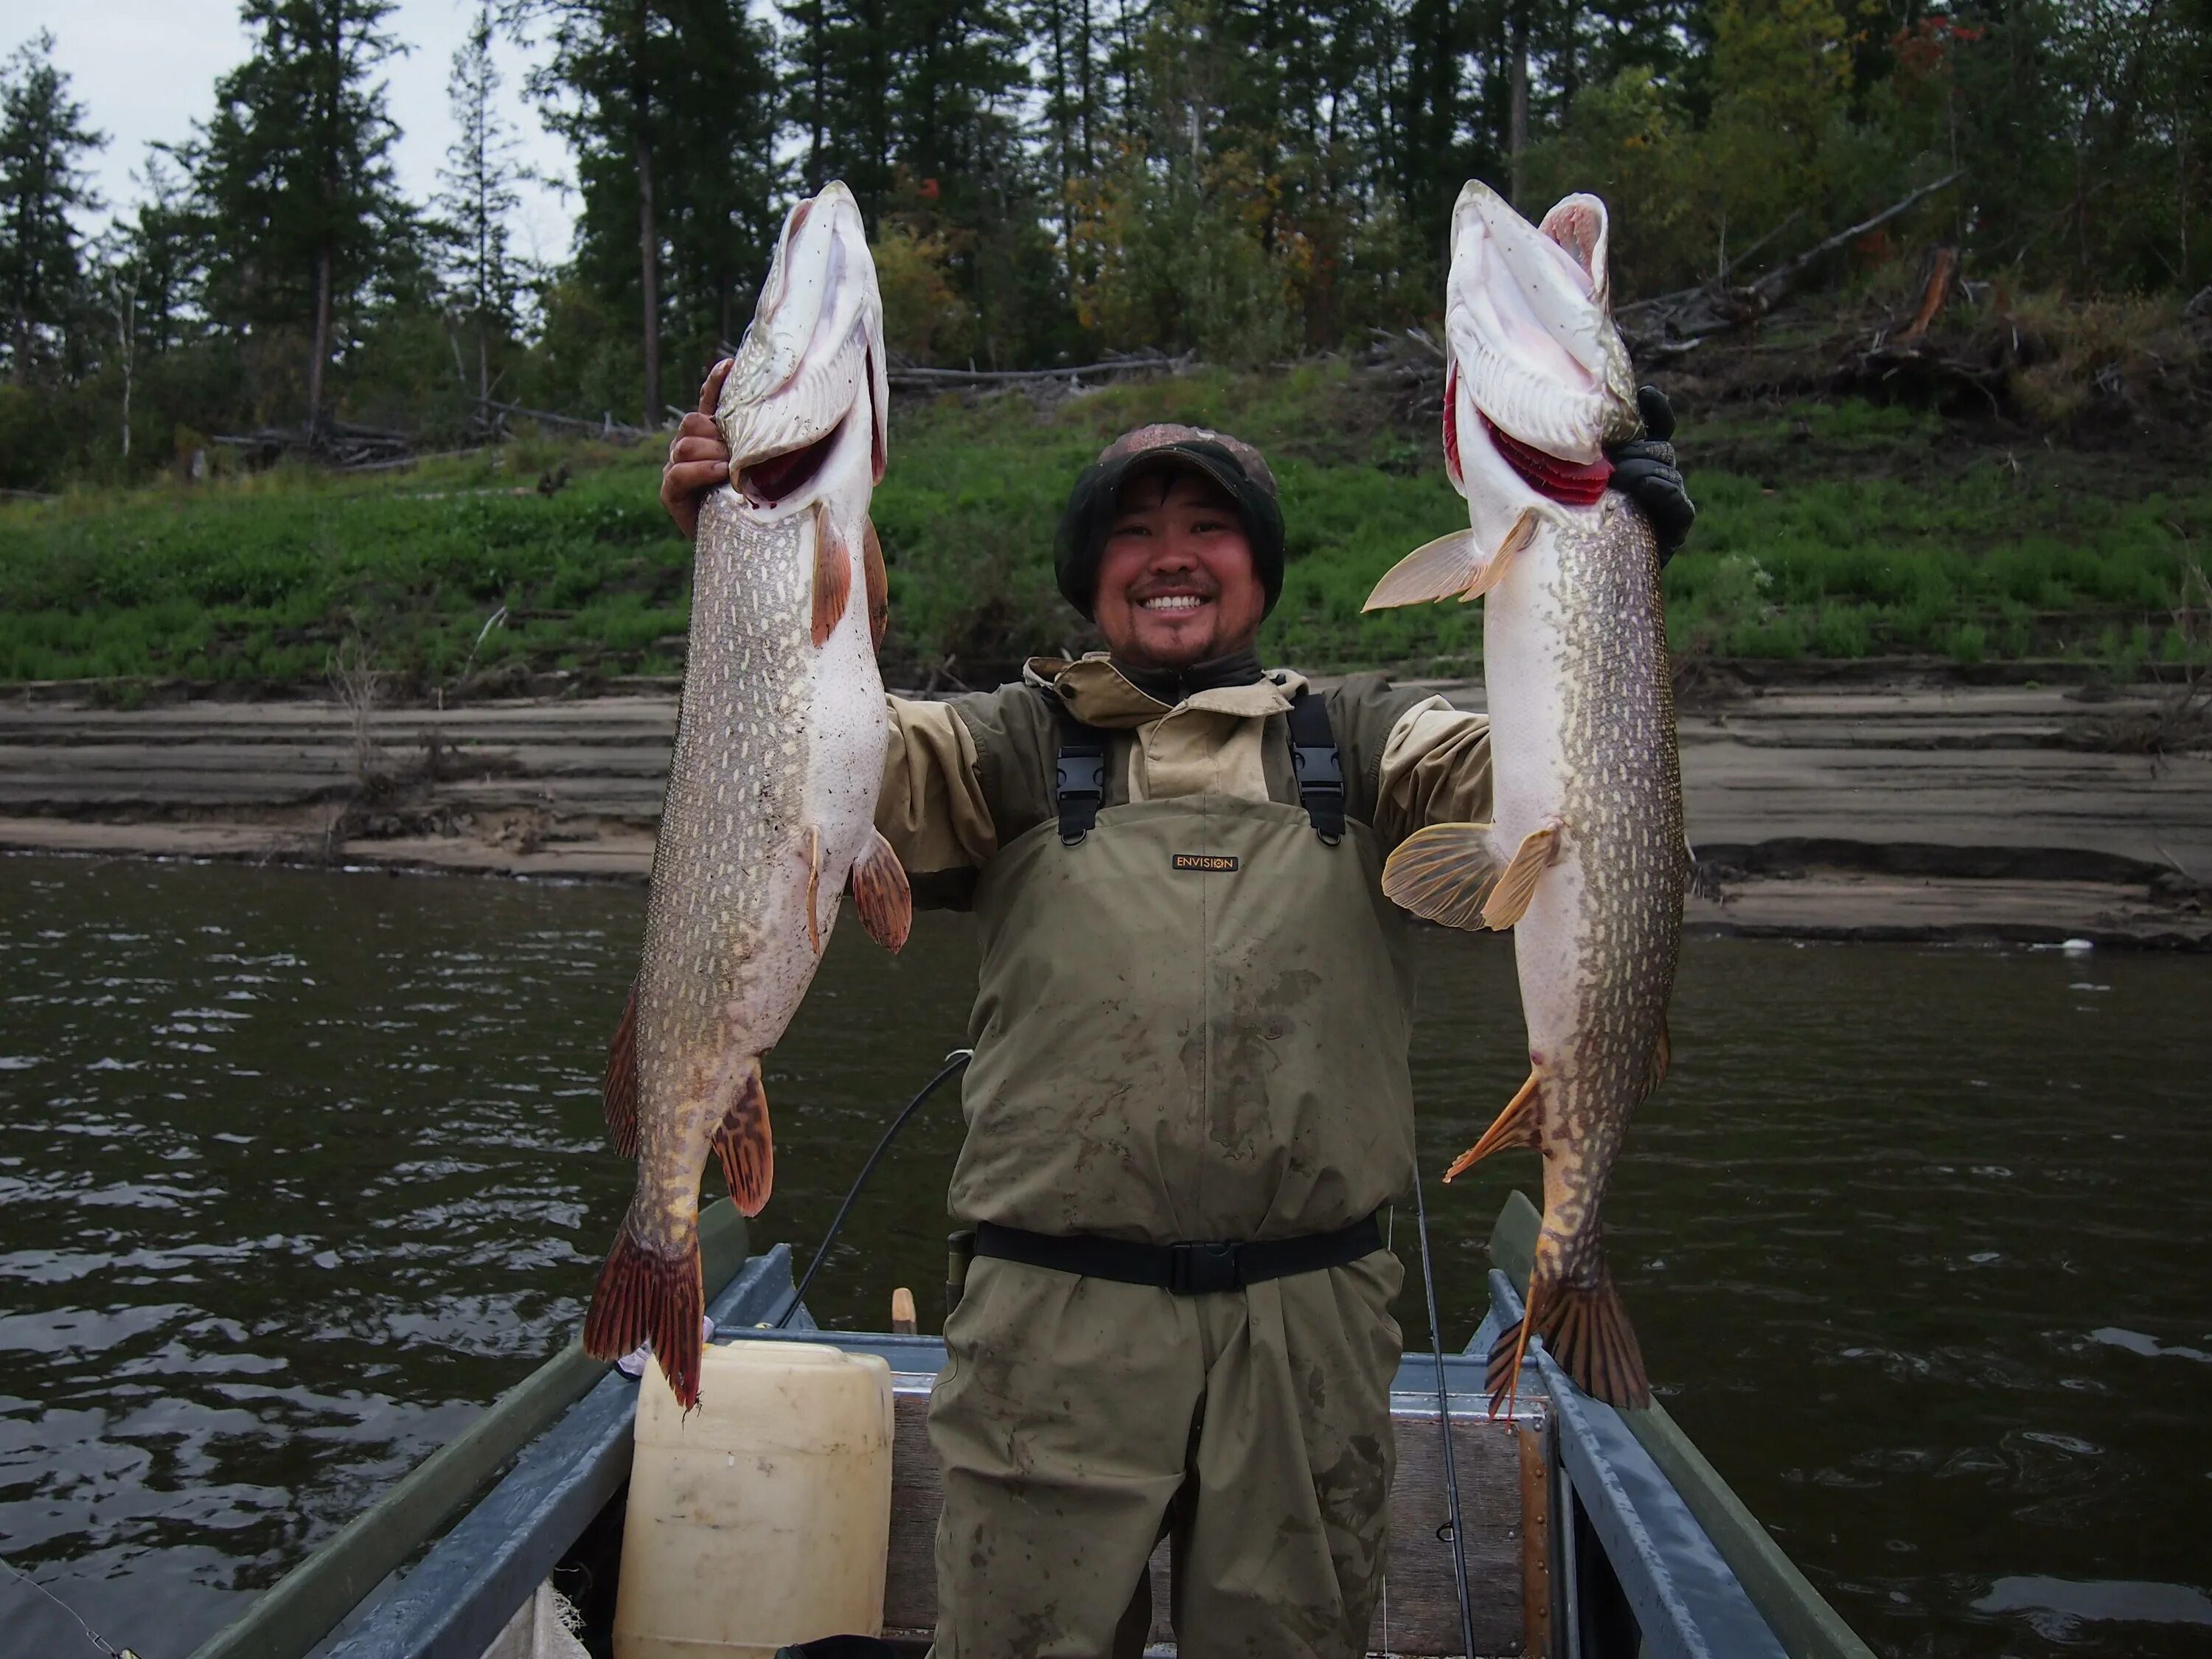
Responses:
[771,800]
[1584,858]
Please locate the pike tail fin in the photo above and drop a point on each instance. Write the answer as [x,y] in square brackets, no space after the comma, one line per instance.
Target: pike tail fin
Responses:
[745,1147]
[1587,1332]
[618,1084]
[882,896]
[645,1295]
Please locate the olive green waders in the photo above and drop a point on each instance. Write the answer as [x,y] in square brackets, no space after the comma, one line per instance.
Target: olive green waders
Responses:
[1192,1025]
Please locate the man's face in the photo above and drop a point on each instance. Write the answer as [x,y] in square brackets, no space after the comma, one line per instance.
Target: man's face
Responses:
[1176,582]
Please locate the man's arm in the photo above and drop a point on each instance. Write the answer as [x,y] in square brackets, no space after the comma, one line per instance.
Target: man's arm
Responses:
[1435,769]
[932,808]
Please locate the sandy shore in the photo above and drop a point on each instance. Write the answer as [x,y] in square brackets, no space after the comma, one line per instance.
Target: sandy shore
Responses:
[1909,811]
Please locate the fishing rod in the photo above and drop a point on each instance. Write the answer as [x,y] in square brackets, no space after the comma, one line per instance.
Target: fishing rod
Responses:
[953,1062]
[1444,1423]
[97,1639]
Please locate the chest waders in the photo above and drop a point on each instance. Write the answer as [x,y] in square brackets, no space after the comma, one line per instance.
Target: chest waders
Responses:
[1188,1099]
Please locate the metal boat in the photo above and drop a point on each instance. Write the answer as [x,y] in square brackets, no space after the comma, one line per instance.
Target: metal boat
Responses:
[1589,1533]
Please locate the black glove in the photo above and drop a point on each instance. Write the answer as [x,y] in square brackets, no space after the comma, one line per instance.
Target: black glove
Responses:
[1643,470]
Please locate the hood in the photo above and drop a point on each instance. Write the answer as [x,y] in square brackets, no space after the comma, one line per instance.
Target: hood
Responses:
[811,363]
[1533,349]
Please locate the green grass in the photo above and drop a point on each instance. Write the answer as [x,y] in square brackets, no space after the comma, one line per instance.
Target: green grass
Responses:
[1842,530]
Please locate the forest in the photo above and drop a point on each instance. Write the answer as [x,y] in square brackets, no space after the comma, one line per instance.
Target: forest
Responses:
[1048,182]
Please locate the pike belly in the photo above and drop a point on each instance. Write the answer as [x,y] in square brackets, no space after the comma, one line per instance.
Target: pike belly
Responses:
[1582,737]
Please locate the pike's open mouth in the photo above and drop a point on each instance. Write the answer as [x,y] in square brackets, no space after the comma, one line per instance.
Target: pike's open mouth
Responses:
[767,482]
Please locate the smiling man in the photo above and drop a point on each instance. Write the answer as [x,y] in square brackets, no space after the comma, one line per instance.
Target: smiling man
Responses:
[1189,1098]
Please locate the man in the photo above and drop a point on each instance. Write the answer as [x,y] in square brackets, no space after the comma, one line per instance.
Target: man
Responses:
[1189,1097]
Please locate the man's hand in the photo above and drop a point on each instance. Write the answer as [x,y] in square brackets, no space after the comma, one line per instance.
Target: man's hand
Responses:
[1644,469]
[698,459]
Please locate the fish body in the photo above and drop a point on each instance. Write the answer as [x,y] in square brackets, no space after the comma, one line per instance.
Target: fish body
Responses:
[772,786]
[1585,857]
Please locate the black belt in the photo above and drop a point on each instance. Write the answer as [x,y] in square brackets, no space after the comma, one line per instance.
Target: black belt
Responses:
[1187,1269]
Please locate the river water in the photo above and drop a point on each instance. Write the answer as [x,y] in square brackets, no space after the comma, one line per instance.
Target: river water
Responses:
[298,1170]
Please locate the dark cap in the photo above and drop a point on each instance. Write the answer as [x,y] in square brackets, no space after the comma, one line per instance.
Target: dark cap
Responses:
[1231,463]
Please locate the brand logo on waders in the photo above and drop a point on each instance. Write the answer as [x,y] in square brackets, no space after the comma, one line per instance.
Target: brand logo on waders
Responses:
[1219,863]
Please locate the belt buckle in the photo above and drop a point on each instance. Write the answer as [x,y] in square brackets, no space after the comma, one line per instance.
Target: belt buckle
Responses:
[1200,1268]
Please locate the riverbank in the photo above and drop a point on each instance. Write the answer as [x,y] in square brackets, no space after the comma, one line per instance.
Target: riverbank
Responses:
[1831,528]
[1902,810]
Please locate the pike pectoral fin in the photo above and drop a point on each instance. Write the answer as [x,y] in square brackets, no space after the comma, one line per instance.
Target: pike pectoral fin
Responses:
[618,1084]
[881,895]
[1435,570]
[879,584]
[744,1144]
[1517,1127]
[1494,568]
[1509,900]
[1442,873]
[649,1295]
[833,575]
[1454,566]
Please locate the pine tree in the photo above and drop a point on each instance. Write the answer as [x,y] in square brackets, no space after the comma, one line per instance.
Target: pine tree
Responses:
[479,195]
[162,242]
[294,178]
[43,144]
[671,108]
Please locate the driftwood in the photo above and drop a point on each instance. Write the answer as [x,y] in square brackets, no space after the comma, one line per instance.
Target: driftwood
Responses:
[1669,324]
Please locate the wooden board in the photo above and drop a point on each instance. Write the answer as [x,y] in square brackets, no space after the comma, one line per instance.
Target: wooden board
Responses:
[1420,1611]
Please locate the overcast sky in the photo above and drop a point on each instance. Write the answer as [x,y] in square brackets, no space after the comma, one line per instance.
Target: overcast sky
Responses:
[145,70]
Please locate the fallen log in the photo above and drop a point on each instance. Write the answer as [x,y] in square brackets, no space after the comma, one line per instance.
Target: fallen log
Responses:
[1692,313]
[916,374]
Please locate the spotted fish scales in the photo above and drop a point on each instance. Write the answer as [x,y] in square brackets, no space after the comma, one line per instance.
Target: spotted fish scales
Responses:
[770,804]
[1585,857]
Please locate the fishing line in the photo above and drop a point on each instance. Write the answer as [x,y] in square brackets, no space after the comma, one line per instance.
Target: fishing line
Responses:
[1443,1422]
[954,1061]
[98,1640]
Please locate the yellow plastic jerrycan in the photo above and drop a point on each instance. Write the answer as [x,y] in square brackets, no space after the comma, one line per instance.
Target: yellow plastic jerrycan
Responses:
[763,1517]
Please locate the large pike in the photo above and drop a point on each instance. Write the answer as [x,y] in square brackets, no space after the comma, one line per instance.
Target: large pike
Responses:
[772,787]
[1584,857]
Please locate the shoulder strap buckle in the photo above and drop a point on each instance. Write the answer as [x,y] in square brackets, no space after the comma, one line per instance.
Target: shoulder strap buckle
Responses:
[1078,778]
[1317,767]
